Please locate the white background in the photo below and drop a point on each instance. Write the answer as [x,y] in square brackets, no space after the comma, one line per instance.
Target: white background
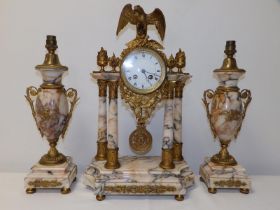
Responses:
[199,27]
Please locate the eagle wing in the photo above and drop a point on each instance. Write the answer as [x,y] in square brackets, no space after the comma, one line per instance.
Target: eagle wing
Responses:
[157,18]
[127,16]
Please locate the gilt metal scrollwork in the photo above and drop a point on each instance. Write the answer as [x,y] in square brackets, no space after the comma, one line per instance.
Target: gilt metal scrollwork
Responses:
[246,98]
[72,96]
[207,98]
[32,92]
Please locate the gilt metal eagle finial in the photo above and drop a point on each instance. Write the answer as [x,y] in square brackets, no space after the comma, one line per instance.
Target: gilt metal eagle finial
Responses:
[138,17]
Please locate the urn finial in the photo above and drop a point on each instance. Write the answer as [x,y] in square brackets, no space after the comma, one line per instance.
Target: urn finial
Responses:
[180,60]
[114,62]
[102,59]
[171,63]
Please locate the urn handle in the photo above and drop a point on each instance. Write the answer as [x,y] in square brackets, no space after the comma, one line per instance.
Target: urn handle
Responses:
[207,99]
[246,99]
[31,94]
[72,97]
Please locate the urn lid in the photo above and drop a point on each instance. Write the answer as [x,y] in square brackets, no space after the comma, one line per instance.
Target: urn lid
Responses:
[229,64]
[51,59]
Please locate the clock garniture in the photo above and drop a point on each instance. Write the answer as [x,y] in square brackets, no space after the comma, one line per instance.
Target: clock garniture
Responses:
[144,77]
[50,109]
[226,108]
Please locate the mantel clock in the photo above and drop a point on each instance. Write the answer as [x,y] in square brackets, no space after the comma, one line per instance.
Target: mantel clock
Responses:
[144,77]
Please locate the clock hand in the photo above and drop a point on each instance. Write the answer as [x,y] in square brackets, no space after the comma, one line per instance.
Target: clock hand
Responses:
[144,72]
[152,73]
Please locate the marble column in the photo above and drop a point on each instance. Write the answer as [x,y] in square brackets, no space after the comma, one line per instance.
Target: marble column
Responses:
[177,115]
[102,121]
[177,118]
[168,125]
[167,141]
[112,148]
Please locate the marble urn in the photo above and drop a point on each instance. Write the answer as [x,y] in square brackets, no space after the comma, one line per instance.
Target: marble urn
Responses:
[226,108]
[52,108]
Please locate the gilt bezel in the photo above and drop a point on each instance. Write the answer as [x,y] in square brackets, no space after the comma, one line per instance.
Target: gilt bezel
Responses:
[160,58]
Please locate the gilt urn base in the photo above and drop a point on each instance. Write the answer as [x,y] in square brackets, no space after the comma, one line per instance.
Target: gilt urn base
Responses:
[59,176]
[224,177]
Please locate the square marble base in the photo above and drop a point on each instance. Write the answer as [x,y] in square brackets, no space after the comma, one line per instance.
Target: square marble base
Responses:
[57,176]
[215,177]
[138,176]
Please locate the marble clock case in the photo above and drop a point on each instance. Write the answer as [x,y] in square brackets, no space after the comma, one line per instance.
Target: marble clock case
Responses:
[138,176]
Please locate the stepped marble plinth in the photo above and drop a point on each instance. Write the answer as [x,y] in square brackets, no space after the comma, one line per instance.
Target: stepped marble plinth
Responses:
[58,176]
[138,176]
[232,177]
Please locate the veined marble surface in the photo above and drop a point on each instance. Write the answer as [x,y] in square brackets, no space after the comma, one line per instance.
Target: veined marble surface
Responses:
[61,168]
[57,176]
[52,76]
[51,109]
[226,107]
[167,141]
[226,114]
[216,176]
[102,119]
[171,76]
[106,75]
[177,118]
[228,79]
[139,176]
[113,124]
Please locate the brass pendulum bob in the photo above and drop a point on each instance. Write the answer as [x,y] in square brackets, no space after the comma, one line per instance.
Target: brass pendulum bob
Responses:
[140,140]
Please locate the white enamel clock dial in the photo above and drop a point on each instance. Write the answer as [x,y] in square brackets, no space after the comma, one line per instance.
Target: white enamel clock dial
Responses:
[143,70]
